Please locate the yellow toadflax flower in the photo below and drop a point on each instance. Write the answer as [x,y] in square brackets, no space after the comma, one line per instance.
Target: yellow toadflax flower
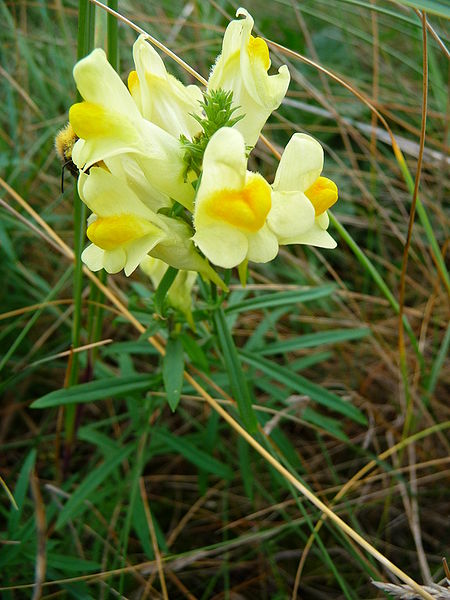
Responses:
[125,228]
[300,196]
[122,229]
[160,97]
[232,205]
[109,124]
[242,68]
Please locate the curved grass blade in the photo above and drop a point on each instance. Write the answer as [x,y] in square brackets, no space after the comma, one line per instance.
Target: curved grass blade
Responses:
[300,384]
[312,340]
[90,483]
[201,459]
[281,299]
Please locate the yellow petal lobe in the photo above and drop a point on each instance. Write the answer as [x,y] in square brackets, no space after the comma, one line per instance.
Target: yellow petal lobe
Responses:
[245,209]
[257,49]
[322,194]
[110,233]
[90,120]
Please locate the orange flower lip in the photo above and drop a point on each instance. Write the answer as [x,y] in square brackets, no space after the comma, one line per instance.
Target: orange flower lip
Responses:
[322,194]
[245,209]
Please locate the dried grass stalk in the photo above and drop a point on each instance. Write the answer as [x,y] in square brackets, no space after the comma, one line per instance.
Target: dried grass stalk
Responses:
[405,592]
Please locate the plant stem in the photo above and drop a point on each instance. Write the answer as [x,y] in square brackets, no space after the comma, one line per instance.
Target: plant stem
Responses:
[86,26]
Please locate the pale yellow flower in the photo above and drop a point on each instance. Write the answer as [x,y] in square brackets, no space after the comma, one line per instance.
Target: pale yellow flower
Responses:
[232,205]
[160,97]
[122,230]
[242,68]
[125,228]
[109,124]
[300,196]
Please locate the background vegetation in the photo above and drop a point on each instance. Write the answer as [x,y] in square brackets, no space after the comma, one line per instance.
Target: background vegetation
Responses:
[108,488]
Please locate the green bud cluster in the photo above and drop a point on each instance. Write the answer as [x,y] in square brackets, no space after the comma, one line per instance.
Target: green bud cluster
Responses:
[218,110]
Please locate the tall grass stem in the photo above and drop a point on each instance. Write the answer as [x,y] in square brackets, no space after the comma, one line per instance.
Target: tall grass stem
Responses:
[86,28]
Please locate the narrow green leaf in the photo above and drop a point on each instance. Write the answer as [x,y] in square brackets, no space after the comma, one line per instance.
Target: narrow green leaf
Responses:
[301,385]
[195,352]
[20,492]
[268,323]
[193,454]
[163,288]
[435,7]
[6,244]
[236,377]
[281,299]
[313,340]
[154,326]
[140,526]
[71,563]
[90,483]
[96,390]
[308,361]
[139,347]
[102,441]
[307,414]
[326,423]
[439,362]
[172,369]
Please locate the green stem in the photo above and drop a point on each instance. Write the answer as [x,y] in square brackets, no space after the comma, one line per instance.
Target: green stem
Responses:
[95,326]
[86,25]
[112,29]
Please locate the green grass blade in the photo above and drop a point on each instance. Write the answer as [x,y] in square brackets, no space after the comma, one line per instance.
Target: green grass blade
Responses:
[86,28]
[172,369]
[198,457]
[439,362]
[90,483]
[96,390]
[301,385]
[163,288]
[20,492]
[312,340]
[441,9]
[280,299]
[236,377]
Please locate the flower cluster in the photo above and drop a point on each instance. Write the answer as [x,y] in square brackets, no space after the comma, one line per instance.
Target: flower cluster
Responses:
[163,166]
